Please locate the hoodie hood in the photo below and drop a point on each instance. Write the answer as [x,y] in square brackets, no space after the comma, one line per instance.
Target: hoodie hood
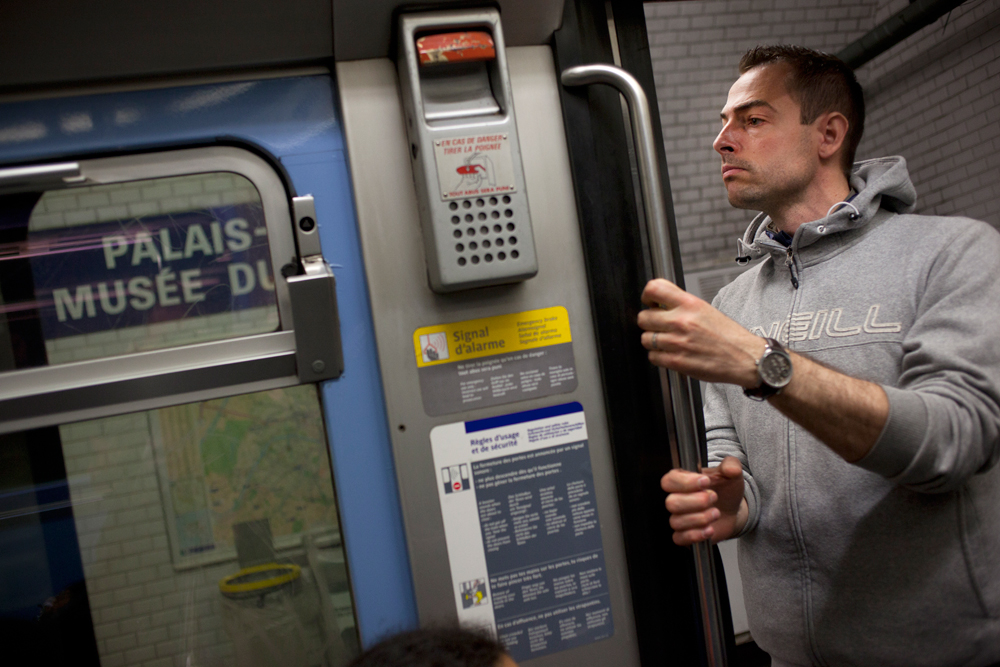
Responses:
[882,183]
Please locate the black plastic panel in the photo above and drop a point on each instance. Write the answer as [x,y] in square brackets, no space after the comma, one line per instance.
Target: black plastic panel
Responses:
[662,574]
[47,42]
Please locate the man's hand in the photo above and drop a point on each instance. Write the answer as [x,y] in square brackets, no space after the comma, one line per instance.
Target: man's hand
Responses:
[695,339]
[706,505]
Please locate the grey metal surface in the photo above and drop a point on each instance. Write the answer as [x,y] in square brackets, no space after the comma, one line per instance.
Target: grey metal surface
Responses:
[100,388]
[318,351]
[402,302]
[465,94]
[15,179]
[444,271]
[306,229]
[44,379]
[675,386]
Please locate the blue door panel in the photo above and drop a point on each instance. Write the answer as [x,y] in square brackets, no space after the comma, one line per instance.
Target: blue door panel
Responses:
[283,116]
[365,475]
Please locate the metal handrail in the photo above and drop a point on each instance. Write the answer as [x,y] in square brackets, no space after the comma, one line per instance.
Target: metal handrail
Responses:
[677,394]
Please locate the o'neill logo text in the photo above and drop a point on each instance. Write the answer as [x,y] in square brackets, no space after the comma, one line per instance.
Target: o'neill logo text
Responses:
[829,323]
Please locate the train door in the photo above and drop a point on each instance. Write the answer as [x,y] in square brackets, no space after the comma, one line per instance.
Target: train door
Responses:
[335,340]
[179,485]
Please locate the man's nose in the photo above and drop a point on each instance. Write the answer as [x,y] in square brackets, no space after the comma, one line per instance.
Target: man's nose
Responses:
[724,143]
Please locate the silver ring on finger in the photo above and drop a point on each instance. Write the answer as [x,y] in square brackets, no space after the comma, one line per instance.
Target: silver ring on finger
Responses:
[654,341]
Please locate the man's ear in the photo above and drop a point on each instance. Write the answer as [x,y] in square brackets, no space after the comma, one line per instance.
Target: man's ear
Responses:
[832,127]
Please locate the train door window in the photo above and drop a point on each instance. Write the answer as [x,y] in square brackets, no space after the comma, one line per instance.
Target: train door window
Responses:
[125,281]
[122,267]
[166,490]
[204,533]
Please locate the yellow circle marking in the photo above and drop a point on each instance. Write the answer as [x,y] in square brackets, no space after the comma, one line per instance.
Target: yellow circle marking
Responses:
[284,574]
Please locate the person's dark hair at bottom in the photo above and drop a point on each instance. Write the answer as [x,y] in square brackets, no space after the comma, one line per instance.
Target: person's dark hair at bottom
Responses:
[434,647]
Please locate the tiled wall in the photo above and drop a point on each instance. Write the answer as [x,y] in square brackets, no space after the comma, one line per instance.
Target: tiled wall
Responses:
[76,206]
[145,612]
[932,99]
[935,99]
[151,604]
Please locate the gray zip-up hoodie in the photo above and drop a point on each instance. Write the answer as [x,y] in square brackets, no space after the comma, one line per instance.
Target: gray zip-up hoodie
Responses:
[895,559]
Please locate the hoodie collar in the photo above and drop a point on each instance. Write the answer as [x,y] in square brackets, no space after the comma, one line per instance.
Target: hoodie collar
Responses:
[882,183]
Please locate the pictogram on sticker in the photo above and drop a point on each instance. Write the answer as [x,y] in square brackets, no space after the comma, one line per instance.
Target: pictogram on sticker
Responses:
[475,165]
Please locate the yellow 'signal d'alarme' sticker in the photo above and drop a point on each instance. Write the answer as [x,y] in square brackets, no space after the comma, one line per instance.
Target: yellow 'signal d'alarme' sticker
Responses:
[471,339]
[494,361]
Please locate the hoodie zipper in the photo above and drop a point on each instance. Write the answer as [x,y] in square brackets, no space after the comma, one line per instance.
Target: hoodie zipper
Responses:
[790,263]
[812,645]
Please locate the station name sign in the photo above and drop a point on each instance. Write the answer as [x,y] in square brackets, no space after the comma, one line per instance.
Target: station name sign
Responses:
[153,269]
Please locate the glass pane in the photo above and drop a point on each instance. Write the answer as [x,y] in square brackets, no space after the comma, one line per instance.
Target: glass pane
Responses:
[202,534]
[105,270]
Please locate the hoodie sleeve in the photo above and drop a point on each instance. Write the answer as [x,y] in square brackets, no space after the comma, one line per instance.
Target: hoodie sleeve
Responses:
[944,413]
[723,442]
[721,435]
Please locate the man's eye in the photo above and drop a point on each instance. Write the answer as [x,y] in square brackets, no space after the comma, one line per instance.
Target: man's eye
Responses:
[754,121]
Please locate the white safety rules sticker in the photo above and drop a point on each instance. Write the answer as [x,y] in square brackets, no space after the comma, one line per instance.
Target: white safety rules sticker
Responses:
[521,525]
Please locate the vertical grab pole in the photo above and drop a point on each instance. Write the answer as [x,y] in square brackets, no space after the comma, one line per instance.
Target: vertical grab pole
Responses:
[675,386]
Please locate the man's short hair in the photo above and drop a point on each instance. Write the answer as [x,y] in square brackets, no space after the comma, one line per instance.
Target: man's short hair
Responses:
[433,647]
[820,83]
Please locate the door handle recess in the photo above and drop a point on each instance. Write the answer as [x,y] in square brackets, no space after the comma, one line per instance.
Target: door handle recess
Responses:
[687,452]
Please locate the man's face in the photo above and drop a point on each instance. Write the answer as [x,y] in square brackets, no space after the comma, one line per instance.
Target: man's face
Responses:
[768,157]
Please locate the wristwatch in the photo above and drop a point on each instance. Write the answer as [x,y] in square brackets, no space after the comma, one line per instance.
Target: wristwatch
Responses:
[775,370]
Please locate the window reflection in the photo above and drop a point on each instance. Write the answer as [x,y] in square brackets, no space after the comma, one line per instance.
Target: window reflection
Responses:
[44,610]
[201,534]
[111,269]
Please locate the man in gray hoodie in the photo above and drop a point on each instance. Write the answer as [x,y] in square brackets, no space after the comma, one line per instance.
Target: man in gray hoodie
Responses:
[853,417]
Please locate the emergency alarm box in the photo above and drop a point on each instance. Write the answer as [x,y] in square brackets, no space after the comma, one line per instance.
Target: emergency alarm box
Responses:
[464,149]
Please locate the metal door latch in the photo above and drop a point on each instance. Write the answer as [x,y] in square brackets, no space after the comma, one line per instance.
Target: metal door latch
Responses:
[313,293]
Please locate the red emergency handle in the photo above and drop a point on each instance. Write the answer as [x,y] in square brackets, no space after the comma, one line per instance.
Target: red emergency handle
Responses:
[455,47]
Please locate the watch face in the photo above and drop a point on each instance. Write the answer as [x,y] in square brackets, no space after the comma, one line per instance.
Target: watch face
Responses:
[776,368]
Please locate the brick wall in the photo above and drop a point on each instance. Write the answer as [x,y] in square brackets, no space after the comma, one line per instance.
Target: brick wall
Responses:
[933,99]
[929,99]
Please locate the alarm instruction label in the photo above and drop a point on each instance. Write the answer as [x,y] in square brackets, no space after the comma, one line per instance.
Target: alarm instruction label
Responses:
[474,165]
[521,525]
[494,360]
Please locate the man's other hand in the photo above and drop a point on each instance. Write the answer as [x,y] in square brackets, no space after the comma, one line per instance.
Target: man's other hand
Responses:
[706,505]
[695,339]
